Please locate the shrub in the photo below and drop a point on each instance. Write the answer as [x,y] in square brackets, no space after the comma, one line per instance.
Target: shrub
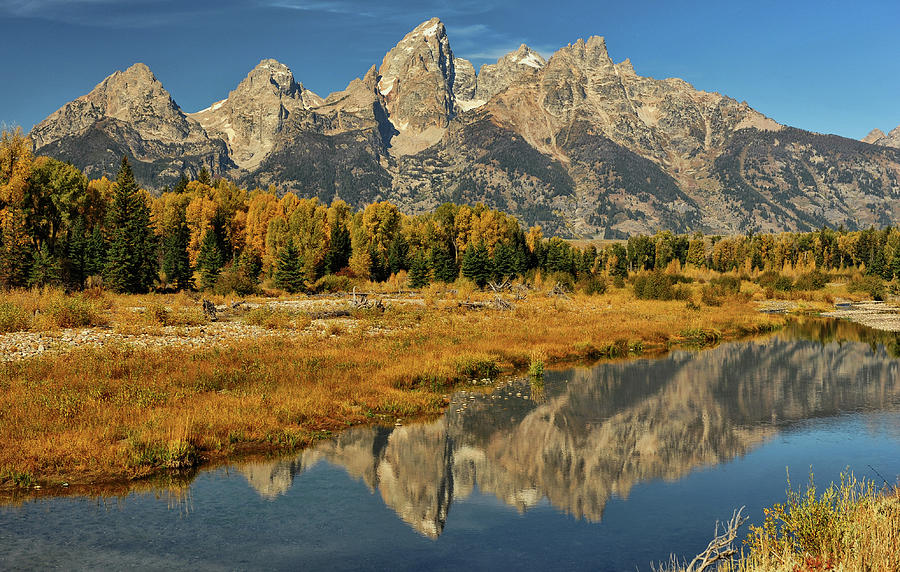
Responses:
[13,318]
[74,312]
[333,283]
[871,285]
[657,285]
[477,367]
[235,278]
[815,280]
[709,295]
[726,284]
[592,284]
[774,280]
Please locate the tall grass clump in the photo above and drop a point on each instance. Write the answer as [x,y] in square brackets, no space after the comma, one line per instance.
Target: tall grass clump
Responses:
[74,311]
[850,526]
[536,366]
[13,318]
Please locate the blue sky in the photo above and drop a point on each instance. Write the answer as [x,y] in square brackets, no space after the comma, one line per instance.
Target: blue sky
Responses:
[827,66]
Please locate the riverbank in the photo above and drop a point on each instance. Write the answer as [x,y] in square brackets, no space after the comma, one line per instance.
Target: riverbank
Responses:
[155,386]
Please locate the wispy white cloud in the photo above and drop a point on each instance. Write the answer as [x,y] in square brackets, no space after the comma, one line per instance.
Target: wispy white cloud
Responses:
[105,13]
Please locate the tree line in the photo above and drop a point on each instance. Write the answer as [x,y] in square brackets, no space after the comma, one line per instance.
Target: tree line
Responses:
[58,227]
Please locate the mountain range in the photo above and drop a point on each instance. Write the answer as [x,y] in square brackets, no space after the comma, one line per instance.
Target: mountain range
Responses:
[578,143]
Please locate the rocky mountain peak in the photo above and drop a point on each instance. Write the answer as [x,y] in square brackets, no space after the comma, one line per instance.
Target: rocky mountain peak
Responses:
[133,96]
[271,74]
[416,82]
[873,136]
[255,111]
[877,137]
[494,78]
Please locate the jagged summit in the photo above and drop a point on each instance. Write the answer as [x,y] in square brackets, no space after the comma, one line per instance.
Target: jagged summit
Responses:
[254,113]
[415,80]
[494,78]
[877,137]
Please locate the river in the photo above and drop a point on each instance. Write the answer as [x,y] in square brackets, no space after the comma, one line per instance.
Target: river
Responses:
[609,467]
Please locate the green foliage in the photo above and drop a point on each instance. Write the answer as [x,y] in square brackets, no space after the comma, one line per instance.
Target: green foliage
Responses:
[657,285]
[131,261]
[444,265]
[333,283]
[418,272]
[871,285]
[176,264]
[209,260]
[815,280]
[339,249]
[477,367]
[775,280]
[476,265]
[289,273]
[592,284]
[45,270]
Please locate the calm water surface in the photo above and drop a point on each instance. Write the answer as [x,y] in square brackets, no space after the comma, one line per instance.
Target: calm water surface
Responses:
[611,468]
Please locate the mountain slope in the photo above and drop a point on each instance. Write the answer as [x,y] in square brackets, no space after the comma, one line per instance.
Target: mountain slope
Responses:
[578,143]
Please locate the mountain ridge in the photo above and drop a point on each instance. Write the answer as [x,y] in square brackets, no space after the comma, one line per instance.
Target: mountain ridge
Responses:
[578,143]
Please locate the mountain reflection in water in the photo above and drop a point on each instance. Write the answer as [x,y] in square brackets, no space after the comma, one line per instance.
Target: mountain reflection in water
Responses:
[588,434]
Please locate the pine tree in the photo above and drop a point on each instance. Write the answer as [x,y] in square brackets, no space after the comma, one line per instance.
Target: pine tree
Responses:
[289,269]
[209,260]
[131,258]
[250,264]
[418,272]
[203,177]
[176,263]
[504,262]
[339,249]
[398,252]
[476,264]
[95,257]
[442,262]
[45,268]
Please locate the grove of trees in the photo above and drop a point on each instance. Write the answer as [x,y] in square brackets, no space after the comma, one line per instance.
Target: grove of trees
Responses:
[59,228]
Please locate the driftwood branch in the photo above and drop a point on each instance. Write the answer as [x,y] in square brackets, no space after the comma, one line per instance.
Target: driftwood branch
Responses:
[722,544]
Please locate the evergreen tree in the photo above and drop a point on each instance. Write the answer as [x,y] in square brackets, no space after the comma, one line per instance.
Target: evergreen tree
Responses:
[95,257]
[476,264]
[181,185]
[77,253]
[176,264]
[442,262]
[289,269]
[339,249]
[418,272]
[203,177]
[398,253]
[45,268]
[131,258]
[209,260]
[379,270]
[504,262]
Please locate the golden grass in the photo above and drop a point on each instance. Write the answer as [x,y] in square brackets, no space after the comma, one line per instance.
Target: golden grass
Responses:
[848,526]
[115,412]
